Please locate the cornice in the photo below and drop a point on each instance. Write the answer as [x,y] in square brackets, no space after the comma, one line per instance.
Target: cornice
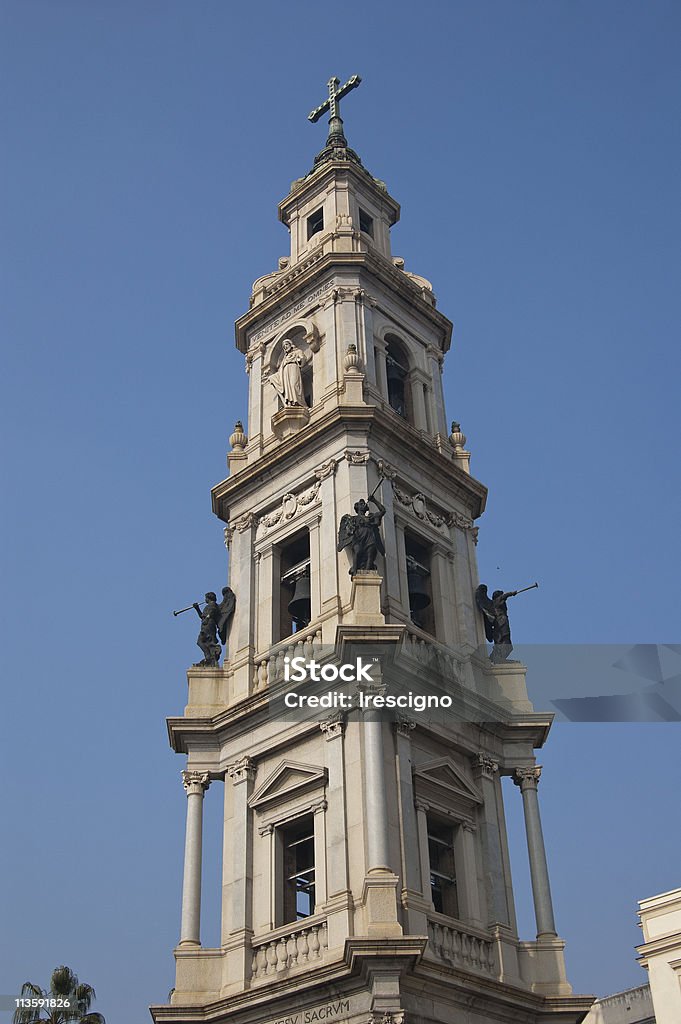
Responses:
[379,425]
[325,173]
[313,268]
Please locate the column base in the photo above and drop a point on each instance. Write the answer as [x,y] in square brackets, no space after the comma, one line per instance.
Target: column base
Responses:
[380,898]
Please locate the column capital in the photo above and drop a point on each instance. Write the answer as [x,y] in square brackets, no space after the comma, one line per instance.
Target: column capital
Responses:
[485,765]
[469,826]
[387,1017]
[404,726]
[195,782]
[421,805]
[319,807]
[527,777]
[333,726]
[241,770]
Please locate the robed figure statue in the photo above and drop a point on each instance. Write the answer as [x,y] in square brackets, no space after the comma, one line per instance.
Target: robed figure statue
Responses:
[288,379]
[362,533]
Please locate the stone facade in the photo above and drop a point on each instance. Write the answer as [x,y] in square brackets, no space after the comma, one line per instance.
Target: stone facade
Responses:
[385,937]
[660,954]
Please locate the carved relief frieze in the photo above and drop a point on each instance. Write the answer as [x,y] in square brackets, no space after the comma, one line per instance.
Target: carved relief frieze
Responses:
[291,505]
[459,519]
[418,504]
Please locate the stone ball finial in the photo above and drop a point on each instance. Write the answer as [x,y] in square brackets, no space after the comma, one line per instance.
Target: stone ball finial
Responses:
[352,362]
[238,438]
[457,437]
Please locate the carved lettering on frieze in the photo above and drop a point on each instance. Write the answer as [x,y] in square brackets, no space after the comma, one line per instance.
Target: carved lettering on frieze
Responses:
[291,312]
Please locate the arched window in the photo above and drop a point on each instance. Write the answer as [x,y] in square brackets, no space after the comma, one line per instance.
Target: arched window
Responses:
[397,372]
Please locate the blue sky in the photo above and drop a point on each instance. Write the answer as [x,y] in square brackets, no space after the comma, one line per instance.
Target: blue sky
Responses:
[534,148]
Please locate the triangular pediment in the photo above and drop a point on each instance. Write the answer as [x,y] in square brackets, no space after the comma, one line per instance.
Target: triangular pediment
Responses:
[443,776]
[288,778]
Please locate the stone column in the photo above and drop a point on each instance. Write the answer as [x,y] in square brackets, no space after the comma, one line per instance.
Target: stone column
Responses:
[528,779]
[195,785]
[380,882]
[375,801]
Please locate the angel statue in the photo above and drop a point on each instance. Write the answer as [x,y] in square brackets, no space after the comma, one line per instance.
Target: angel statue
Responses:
[288,380]
[362,533]
[495,618]
[214,621]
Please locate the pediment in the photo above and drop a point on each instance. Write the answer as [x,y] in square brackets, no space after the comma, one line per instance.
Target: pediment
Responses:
[445,778]
[287,779]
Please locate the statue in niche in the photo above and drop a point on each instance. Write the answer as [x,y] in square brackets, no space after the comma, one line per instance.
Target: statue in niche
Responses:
[495,617]
[288,379]
[362,533]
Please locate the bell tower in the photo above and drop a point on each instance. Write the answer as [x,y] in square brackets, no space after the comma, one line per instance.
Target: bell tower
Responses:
[365,868]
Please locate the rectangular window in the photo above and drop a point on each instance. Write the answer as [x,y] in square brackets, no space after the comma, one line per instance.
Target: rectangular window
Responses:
[419,583]
[298,869]
[315,222]
[366,223]
[294,587]
[442,868]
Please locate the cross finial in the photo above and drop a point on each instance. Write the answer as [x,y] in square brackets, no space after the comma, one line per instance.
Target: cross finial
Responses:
[336,136]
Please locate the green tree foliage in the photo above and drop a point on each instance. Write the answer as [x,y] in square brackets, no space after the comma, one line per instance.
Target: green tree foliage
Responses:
[64,989]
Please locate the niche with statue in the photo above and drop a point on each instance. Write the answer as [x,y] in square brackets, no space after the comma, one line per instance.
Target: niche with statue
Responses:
[288,380]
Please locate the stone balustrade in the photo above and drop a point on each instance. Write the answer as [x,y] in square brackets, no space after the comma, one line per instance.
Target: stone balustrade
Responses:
[294,945]
[270,669]
[460,947]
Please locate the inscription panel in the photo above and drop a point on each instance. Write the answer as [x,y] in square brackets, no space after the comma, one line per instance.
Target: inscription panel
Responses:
[290,313]
[314,1014]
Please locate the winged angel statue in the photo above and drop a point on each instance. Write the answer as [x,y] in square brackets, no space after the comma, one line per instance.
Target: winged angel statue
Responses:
[361,533]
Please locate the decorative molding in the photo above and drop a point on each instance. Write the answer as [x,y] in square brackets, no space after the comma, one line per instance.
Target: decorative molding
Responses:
[404,725]
[288,777]
[443,780]
[387,1017]
[386,470]
[195,782]
[319,806]
[333,726]
[459,519]
[485,765]
[228,533]
[326,469]
[418,504]
[241,770]
[244,522]
[357,457]
[527,777]
[290,506]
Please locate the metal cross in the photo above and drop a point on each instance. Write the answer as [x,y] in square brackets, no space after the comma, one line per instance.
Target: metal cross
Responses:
[336,135]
